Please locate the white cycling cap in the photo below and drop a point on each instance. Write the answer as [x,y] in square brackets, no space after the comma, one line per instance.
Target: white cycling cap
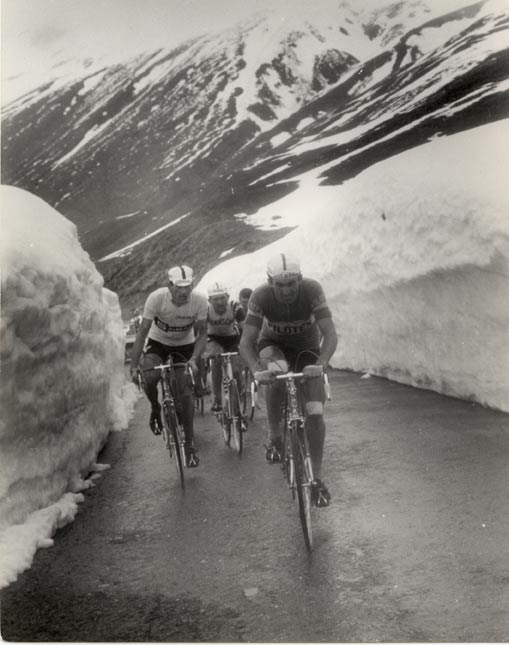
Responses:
[283,266]
[217,289]
[181,276]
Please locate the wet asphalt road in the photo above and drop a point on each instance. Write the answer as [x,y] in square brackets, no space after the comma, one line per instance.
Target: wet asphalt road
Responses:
[414,547]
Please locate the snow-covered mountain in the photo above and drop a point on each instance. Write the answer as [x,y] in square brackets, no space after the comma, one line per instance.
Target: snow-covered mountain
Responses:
[172,146]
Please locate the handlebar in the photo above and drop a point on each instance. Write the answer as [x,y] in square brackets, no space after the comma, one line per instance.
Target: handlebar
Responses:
[289,375]
[229,354]
[165,367]
[295,375]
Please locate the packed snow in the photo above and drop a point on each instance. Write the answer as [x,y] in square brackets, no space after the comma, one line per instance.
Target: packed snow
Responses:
[63,387]
[413,254]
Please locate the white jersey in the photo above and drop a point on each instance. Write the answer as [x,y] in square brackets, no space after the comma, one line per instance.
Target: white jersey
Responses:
[172,325]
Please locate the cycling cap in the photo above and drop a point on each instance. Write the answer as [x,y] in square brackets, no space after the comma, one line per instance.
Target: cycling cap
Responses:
[181,276]
[217,289]
[283,266]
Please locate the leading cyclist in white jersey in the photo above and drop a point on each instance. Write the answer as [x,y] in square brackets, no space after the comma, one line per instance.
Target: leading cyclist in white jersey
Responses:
[175,320]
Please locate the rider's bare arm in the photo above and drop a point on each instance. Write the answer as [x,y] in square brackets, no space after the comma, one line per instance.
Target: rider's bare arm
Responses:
[201,339]
[329,342]
[140,342]
[247,347]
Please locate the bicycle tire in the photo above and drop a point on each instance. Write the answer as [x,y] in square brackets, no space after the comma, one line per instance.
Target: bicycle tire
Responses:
[225,427]
[236,417]
[287,461]
[172,440]
[198,404]
[303,484]
[246,395]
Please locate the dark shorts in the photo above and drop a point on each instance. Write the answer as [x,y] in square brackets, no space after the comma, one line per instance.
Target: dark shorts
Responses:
[178,353]
[228,343]
[297,358]
[312,389]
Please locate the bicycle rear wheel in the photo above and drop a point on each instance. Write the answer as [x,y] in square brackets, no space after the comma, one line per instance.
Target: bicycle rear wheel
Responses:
[248,404]
[236,416]
[171,438]
[303,484]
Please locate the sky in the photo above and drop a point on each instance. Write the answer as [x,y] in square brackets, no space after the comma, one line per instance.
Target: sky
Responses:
[38,33]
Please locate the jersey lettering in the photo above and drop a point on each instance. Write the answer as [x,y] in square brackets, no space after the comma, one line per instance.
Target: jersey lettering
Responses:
[165,327]
[288,327]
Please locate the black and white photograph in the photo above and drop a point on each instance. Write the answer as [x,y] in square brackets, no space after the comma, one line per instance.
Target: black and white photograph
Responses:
[254,336]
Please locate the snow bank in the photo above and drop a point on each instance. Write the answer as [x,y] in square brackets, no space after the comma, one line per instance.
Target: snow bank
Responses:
[62,380]
[413,255]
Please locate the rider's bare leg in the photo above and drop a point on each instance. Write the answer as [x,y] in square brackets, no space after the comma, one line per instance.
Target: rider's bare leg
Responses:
[151,379]
[186,404]
[315,427]
[274,393]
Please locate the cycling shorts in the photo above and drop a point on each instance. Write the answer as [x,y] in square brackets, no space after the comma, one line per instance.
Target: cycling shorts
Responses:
[297,358]
[178,353]
[228,343]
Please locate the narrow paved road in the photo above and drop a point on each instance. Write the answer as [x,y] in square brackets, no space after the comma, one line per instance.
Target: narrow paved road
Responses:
[414,548]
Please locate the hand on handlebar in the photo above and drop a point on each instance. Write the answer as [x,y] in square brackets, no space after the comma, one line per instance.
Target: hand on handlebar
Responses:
[263,376]
[313,371]
[194,367]
[135,377]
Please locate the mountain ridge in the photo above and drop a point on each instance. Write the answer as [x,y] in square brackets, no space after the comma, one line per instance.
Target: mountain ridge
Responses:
[125,151]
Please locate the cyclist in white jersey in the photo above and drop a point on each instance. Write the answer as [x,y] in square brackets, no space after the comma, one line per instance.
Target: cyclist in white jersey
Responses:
[175,320]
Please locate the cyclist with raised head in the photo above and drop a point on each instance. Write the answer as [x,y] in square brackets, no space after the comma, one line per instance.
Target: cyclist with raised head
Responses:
[225,318]
[175,320]
[244,295]
[289,326]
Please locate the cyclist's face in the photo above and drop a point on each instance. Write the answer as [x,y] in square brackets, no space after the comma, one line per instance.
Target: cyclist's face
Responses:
[180,295]
[286,291]
[243,302]
[219,303]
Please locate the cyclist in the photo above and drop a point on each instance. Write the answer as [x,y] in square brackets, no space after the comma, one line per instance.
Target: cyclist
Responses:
[136,319]
[289,326]
[175,320]
[225,318]
[244,295]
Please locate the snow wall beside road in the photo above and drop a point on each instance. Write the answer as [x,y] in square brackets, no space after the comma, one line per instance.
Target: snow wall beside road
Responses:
[413,254]
[63,387]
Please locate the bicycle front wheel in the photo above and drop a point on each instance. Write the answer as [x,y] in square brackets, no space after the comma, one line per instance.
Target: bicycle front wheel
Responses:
[303,483]
[225,427]
[171,438]
[236,416]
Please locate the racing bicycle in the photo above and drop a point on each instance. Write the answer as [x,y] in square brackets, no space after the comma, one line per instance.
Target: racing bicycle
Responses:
[296,459]
[173,430]
[231,416]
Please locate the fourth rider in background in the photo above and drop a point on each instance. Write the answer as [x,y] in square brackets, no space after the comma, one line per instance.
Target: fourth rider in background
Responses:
[175,319]
[244,295]
[289,325]
[225,319]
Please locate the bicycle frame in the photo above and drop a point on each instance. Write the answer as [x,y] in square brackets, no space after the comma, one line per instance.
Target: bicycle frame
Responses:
[231,416]
[173,432]
[297,466]
[248,390]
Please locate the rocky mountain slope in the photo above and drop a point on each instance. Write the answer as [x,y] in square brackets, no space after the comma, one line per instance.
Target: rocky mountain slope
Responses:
[162,159]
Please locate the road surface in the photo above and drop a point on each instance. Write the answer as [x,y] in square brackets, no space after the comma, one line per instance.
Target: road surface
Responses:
[415,546]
